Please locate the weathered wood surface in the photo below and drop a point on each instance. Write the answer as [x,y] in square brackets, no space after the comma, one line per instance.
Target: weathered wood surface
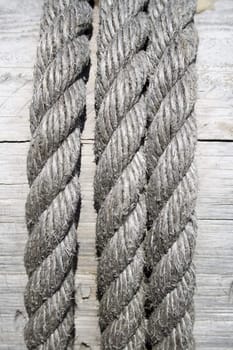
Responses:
[19,22]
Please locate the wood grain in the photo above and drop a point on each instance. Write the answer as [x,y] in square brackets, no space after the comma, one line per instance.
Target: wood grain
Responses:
[19,22]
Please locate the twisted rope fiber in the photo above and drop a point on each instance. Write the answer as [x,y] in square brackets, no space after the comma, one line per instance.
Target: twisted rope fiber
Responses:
[172,180]
[122,74]
[52,208]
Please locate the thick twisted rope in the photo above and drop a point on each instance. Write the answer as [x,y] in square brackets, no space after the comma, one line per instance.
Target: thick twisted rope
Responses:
[53,203]
[122,73]
[172,183]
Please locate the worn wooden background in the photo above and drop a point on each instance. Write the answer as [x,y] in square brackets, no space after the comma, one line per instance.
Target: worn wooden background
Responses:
[19,22]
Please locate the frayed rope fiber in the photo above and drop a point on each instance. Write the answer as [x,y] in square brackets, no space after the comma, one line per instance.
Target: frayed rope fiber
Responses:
[52,208]
[145,181]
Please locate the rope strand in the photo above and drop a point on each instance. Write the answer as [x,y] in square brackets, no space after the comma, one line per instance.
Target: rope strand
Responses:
[172,181]
[52,209]
[122,73]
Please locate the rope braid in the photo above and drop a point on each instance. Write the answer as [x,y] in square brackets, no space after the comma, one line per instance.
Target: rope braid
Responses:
[122,72]
[52,208]
[172,180]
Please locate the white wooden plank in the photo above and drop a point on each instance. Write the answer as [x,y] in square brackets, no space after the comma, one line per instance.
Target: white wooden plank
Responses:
[19,23]
[219,13]
[215,72]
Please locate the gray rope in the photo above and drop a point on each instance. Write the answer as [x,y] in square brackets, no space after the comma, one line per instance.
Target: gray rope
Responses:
[122,72]
[172,182]
[53,204]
